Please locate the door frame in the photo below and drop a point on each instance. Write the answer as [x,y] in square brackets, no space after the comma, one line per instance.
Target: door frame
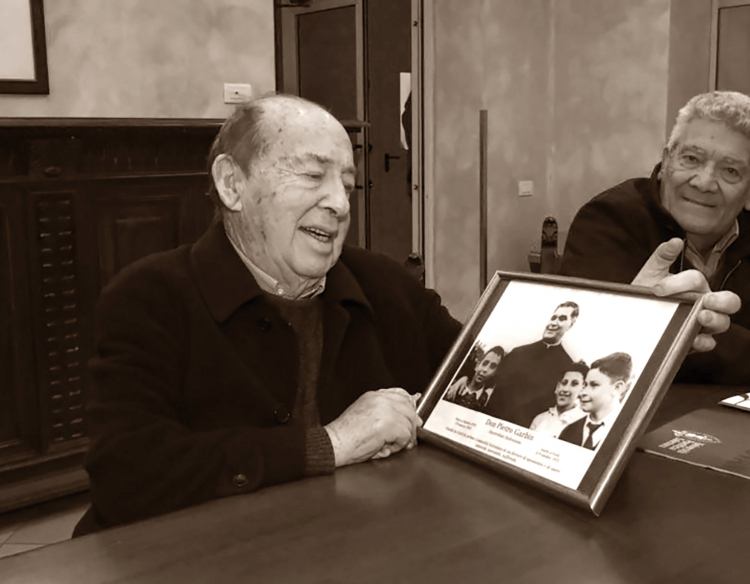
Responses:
[423,135]
[716,6]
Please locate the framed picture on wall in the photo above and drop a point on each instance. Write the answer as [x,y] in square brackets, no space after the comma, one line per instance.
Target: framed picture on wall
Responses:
[23,48]
[552,380]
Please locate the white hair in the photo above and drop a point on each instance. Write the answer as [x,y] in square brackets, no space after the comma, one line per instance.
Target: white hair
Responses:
[730,108]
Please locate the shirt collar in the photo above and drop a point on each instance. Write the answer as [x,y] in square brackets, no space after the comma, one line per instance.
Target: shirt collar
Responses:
[575,411]
[478,392]
[608,420]
[226,283]
[710,265]
[269,284]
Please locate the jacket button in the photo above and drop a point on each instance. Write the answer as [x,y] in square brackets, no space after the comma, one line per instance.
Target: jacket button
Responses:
[239,480]
[282,415]
[264,324]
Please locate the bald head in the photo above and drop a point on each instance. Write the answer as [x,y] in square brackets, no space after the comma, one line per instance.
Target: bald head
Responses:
[271,121]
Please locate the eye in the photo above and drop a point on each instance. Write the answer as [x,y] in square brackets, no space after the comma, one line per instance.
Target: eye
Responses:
[689,160]
[731,175]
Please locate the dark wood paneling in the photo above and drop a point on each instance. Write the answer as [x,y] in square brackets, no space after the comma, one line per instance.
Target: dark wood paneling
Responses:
[79,201]
[18,419]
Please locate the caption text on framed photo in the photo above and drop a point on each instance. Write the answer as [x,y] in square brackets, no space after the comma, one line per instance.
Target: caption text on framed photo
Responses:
[552,380]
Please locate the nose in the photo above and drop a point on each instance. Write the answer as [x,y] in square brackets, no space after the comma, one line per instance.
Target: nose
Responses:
[705,178]
[336,200]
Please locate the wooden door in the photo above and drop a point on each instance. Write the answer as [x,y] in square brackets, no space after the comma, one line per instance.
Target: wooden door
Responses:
[348,55]
[730,67]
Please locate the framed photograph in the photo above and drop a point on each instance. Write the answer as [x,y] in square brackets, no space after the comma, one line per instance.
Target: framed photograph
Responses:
[552,380]
[23,47]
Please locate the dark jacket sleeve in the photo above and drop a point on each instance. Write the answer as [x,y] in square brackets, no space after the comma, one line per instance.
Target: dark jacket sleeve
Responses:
[144,460]
[601,243]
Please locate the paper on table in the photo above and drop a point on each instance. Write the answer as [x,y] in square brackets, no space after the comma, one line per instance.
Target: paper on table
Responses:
[741,401]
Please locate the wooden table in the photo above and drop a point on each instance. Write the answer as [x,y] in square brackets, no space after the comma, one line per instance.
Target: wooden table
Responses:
[429,516]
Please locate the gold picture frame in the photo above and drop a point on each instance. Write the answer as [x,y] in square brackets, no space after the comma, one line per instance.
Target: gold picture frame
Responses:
[607,328]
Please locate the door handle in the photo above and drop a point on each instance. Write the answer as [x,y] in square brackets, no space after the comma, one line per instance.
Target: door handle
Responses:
[388,158]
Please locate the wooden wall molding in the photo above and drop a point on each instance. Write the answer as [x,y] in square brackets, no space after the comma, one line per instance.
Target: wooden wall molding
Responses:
[48,148]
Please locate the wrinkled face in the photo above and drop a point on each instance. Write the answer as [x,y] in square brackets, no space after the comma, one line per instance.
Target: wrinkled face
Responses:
[295,201]
[567,389]
[486,368]
[558,325]
[599,395]
[706,180]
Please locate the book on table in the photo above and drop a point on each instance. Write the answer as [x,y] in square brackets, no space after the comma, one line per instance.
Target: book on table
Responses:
[715,438]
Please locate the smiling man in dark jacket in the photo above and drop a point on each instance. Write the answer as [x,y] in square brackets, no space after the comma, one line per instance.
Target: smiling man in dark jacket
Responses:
[268,350]
[700,193]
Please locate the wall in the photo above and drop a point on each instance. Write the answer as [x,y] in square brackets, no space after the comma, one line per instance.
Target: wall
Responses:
[576,93]
[145,58]
[610,97]
[689,53]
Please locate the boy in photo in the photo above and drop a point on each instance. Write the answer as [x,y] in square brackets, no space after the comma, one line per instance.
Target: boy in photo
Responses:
[607,383]
[474,393]
[566,409]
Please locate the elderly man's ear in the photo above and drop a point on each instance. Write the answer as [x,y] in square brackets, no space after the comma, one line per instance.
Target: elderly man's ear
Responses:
[228,179]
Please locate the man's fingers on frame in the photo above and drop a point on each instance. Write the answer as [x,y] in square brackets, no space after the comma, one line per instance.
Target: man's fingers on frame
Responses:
[703,343]
[724,301]
[713,322]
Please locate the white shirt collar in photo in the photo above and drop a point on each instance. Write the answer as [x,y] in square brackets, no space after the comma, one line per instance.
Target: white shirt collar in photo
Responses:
[601,432]
[478,392]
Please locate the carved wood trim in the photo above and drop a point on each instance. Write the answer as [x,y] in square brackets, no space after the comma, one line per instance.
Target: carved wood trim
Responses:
[54,149]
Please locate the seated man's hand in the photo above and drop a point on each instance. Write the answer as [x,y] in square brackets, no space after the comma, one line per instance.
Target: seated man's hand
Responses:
[377,425]
[717,306]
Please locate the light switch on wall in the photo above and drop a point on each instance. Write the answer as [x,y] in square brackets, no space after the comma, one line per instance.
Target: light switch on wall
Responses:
[237,92]
[525,188]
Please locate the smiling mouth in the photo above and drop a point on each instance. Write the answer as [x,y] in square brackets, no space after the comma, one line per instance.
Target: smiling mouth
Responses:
[698,203]
[319,234]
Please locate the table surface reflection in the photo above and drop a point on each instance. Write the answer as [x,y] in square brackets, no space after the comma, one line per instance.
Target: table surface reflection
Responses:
[430,516]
